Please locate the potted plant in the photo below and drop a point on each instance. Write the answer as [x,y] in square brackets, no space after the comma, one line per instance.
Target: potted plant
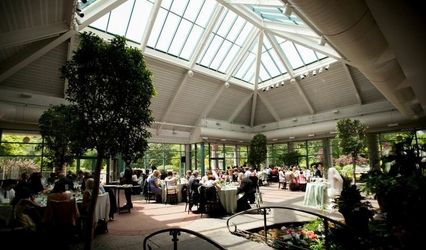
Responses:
[258,150]
[351,204]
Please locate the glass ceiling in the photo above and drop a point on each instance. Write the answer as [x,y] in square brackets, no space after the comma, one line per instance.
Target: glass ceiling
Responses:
[231,45]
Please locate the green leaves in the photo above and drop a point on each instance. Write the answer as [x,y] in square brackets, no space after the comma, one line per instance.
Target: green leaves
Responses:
[352,136]
[112,89]
[258,150]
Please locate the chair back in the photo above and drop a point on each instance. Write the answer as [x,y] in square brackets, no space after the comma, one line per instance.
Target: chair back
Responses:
[61,213]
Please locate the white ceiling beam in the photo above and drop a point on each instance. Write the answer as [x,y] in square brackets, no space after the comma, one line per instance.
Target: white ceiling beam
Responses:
[276,3]
[256,77]
[309,43]
[32,34]
[280,53]
[203,41]
[239,108]
[150,24]
[172,102]
[293,29]
[269,107]
[14,65]
[304,97]
[97,10]
[209,107]
[352,83]
[246,46]
[243,12]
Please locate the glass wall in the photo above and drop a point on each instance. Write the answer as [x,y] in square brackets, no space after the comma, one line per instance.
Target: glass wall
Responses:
[19,153]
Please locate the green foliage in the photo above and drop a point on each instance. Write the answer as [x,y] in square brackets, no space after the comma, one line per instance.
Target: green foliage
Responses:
[258,151]
[291,158]
[354,209]
[63,133]
[112,89]
[352,136]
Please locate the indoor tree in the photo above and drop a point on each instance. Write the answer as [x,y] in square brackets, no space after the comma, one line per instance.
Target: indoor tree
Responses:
[63,135]
[351,134]
[257,150]
[111,87]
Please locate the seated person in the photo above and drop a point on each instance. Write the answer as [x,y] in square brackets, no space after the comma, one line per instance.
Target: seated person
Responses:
[87,195]
[28,211]
[246,189]
[171,181]
[154,185]
[193,184]
[59,193]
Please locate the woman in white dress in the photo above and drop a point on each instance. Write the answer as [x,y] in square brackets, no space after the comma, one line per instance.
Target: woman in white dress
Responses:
[335,183]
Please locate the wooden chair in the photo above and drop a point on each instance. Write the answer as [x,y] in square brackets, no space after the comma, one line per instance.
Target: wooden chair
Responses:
[60,219]
[171,194]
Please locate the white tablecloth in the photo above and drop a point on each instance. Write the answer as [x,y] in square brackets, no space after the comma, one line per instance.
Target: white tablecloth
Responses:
[102,207]
[315,194]
[228,198]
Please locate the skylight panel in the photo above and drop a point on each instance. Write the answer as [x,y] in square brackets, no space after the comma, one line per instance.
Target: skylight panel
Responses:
[101,23]
[211,50]
[180,37]
[292,54]
[205,13]
[246,65]
[166,4]
[229,58]
[236,29]
[277,61]
[168,31]
[223,51]
[308,55]
[192,10]
[227,24]
[244,33]
[191,42]
[119,18]
[270,64]
[156,29]
[263,74]
[139,20]
[179,6]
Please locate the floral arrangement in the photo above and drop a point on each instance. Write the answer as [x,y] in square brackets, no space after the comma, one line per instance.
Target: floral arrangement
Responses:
[306,236]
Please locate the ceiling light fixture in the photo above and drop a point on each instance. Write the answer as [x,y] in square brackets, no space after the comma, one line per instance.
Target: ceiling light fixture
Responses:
[314,72]
[190,73]
[327,67]
[292,80]
[320,70]
[311,135]
[227,84]
[291,137]
[288,10]
[282,83]
[393,124]
[322,41]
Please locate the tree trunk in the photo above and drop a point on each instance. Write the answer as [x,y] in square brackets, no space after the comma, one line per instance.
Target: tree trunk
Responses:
[90,229]
[354,168]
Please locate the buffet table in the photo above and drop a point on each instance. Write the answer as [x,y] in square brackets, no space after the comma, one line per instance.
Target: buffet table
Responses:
[315,195]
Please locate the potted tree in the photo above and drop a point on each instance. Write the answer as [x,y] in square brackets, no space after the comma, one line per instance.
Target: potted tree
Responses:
[352,139]
[258,150]
[111,89]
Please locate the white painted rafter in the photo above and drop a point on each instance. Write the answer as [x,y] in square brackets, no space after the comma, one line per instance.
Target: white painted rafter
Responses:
[246,46]
[150,24]
[32,34]
[352,83]
[243,12]
[256,77]
[304,97]
[280,53]
[272,3]
[19,61]
[172,102]
[239,108]
[209,106]
[204,38]
[269,107]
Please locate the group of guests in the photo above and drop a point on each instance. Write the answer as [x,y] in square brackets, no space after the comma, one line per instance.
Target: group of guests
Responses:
[295,177]
[34,215]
